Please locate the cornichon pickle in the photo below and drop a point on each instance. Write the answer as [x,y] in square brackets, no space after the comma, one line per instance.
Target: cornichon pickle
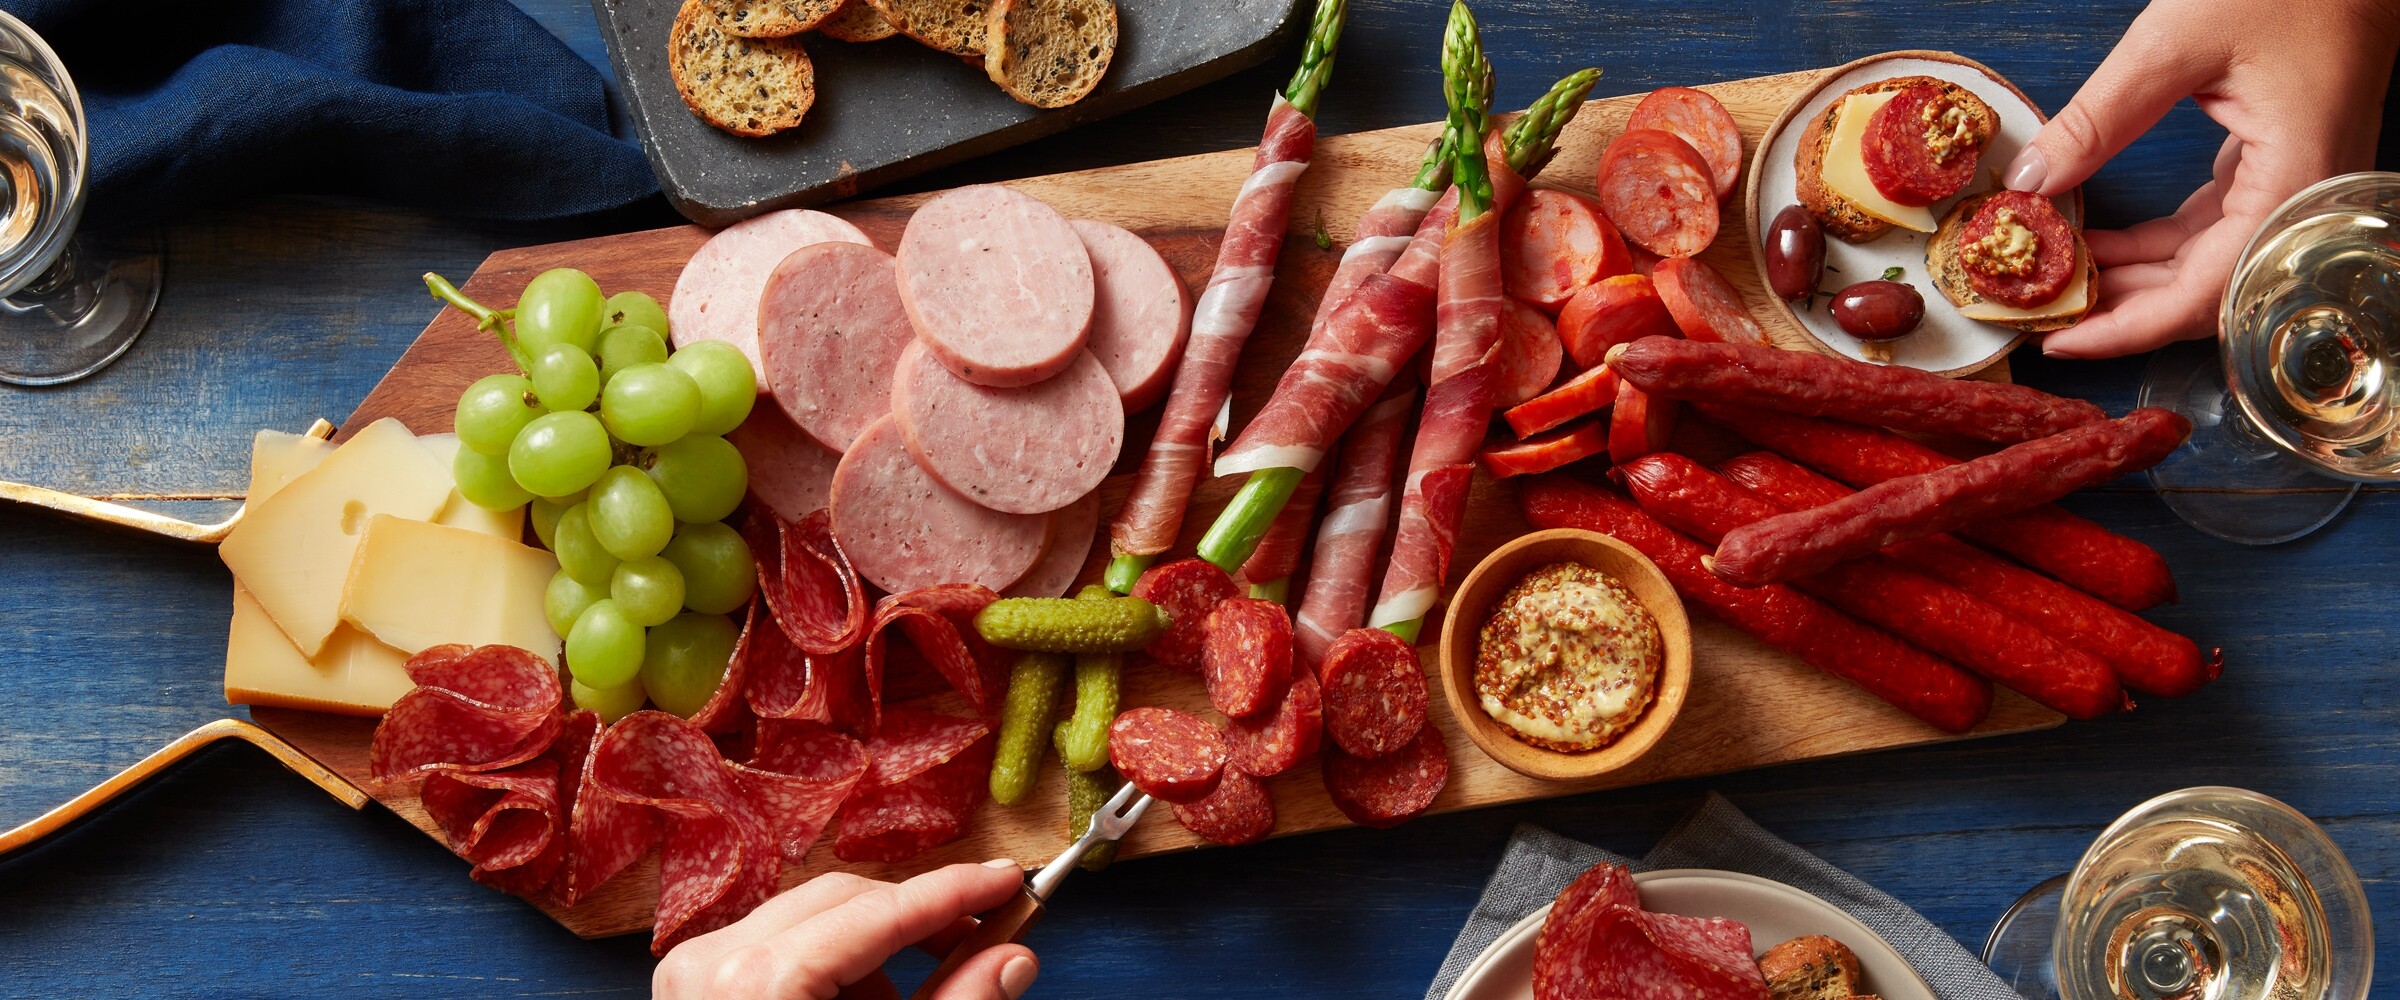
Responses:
[1083,738]
[1034,685]
[1071,625]
[1087,791]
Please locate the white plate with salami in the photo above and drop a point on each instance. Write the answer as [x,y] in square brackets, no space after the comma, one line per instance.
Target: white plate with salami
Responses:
[1945,342]
[1772,910]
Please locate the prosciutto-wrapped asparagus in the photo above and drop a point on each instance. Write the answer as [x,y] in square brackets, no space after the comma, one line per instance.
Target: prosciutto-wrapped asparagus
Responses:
[1358,509]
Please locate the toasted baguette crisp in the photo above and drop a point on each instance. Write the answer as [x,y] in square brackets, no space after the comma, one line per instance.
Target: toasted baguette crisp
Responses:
[857,21]
[772,18]
[1815,967]
[957,27]
[1050,53]
[1950,275]
[746,86]
[1840,217]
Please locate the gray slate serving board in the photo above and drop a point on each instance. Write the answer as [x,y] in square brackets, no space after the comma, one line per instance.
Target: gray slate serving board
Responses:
[886,110]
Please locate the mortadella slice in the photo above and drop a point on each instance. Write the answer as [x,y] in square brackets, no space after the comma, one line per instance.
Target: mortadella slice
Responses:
[1064,551]
[904,530]
[1026,450]
[997,284]
[789,471]
[830,330]
[716,297]
[1141,313]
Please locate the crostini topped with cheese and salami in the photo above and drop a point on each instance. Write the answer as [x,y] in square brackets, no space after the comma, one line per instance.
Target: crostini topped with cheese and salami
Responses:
[1885,152]
[2011,258]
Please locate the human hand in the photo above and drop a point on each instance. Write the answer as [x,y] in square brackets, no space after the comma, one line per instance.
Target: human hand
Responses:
[828,938]
[2298,83]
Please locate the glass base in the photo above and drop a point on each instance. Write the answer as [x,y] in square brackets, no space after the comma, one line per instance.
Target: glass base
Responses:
[2229,480]
[85,312]
[2019,948]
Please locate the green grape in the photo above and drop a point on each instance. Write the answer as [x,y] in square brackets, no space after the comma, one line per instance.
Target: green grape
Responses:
[630,516]
[703,477]
[623,347]
[635,309]
[604,649]
[649,589]
[580,554]
[728,385]
[492,411]
[650,405]
[485,482]
[611,703]
[718,573]
[559,306]
[684,660]
[545,514]
[560,453]
[564,377]
[564,599]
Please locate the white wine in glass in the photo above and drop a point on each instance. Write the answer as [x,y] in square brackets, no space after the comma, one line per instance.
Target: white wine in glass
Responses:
[69,304]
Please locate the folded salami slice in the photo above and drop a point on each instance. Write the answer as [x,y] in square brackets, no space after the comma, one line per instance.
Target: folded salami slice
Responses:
[1719,948]
[807,579]
[717,855]
[507,823]
[797,779]
[893,823]
[473,709]
[940,622]
[780,682]
[1559,967]
[913,741]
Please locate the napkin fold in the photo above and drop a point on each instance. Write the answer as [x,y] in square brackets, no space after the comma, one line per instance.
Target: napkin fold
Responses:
[456,107]
[1539,863]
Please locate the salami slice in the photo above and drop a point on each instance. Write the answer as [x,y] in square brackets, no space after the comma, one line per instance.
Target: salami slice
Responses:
[1187,589]
[1392,789]
[1901,159]
[939,624]
[717,295]
[1374,692]
[1529,354]
[913,741]
[806,578]
[830,332]
[717,855]
[1719,948]
[893,823]
[1560,967]
[2054,259]
[1238,812]
[508,823]
[1064,551]
[1246,656]
[997,284]
[904,530]
[1696,118]
[1026,450]
[483,708]
[1269,744]
[1169,755]
[1141,313]
[1704,306]
[797,779]
[789,471]
[1659,192]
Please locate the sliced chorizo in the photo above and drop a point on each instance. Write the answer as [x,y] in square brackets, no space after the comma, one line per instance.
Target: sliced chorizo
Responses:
[1169,755]
[1374,692]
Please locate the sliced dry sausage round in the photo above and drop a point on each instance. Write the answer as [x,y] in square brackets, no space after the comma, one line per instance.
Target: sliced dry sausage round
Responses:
[998,285]
[904,530]
[1697,119]
[1141,313]
[716,297]
[1169,755]
[1187,590]
[1392,789]
[830,329]
[1271,743]
[1238,812]
[1374,692]
[1246,656]
[1027,450]
[1659,192]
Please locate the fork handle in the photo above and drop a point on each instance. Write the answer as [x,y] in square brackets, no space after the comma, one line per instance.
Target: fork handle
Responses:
[1005,925]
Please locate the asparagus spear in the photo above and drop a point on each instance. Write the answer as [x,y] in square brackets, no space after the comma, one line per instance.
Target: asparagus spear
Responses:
[1466,86]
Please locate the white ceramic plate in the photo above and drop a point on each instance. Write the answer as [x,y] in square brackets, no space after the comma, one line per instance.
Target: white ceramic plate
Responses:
[1774,911]
[1947,342]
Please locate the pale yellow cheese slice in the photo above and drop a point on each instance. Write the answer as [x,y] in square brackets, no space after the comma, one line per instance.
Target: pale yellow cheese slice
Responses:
[2070,301]
[293,551]
[415,585]
[458,511]
[277,458]
[1845,170]
[353,675]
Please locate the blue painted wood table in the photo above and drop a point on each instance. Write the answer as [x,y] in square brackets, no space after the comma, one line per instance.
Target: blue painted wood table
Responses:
[232,877]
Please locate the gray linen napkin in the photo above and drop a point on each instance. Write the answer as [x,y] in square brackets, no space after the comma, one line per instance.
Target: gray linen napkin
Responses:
[1539,863]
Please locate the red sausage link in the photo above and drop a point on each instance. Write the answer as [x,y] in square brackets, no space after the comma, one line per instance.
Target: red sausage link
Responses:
[1172,756]
[1374,692]
[1924,611]
[1916,682]
[2004,482]
[1817,385]
[2076,550]
[2145,657]
[1704,306]
[1246,656]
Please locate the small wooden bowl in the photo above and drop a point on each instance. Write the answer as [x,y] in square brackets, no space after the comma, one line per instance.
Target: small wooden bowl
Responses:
[1463,626]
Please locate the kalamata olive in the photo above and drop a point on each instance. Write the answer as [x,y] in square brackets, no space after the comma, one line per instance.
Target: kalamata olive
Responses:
[1878,310]
[1795,253]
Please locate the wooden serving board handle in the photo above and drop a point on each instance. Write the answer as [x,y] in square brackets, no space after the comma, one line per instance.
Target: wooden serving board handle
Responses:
[74,810]
[1006,925]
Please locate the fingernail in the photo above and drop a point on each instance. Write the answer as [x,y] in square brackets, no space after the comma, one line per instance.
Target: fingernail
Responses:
[2060,353]
[1000,863]
[2027,171]
[1017,976]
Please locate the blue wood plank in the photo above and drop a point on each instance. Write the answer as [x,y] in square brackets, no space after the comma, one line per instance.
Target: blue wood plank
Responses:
[234,878]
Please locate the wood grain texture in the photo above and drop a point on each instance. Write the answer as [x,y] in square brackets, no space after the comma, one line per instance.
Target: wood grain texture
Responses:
[233,878]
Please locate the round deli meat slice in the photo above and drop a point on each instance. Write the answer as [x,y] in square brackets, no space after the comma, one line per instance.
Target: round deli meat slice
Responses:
[904,530]
[1659,193]
[1027,450]
[831,329]
[789,471]
[1173,756]
[998,285]
[1374,692]
[1064,550]
[1700,121]
[716,297]
[1141,312]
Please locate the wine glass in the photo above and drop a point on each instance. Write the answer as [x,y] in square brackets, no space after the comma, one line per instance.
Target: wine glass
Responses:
[2207,893]
[2298,403]
[69,304]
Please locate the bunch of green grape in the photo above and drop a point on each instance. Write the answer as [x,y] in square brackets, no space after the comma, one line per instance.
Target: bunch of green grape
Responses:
[616,443]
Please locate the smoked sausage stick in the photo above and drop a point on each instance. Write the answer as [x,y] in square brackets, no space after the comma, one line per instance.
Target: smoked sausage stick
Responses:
[1816,385]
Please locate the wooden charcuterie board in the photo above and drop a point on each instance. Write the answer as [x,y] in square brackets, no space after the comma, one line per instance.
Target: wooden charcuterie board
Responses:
[1750,706]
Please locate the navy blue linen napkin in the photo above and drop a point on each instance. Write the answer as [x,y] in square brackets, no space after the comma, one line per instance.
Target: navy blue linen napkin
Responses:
[457,107]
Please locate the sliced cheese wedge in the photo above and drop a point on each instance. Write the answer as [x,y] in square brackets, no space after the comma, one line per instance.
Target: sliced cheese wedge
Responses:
[352,675]
[1846,166]
[458,511]
[416,584]
[2070,301]
[293,551]
[277,458]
